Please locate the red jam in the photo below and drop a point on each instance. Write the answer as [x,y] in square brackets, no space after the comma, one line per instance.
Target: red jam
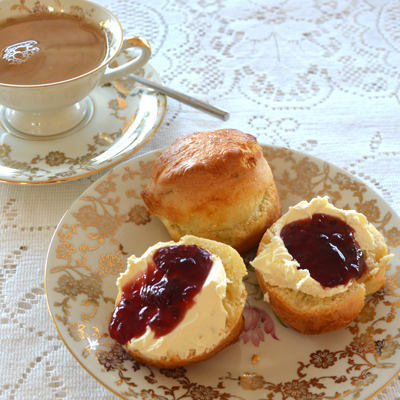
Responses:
[325,246]
[160,296]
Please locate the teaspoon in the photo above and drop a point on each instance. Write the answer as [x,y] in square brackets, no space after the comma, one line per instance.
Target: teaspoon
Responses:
[189,100]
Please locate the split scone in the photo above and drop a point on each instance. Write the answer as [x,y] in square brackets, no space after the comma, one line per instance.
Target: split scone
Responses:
[216,185]
[317,263]
[180,303]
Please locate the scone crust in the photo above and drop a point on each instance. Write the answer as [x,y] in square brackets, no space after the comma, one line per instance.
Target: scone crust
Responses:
[310,316]
[216,185]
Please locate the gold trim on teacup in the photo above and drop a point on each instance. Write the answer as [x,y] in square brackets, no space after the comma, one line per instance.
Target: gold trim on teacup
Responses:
[138,41]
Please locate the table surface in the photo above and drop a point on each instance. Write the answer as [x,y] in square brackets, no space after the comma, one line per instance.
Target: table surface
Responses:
[317,76]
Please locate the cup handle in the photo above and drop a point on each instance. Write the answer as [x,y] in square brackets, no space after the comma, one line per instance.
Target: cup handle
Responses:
[138,42]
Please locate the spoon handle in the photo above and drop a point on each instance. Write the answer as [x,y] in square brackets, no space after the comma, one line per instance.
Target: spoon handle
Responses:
[189,100]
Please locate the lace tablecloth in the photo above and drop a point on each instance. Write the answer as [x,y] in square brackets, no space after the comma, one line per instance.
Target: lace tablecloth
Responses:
[317,76]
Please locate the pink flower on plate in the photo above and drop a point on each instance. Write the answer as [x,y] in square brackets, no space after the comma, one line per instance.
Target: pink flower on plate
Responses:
[256,323]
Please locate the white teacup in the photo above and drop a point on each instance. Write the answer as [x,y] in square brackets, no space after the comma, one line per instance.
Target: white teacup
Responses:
[40,111]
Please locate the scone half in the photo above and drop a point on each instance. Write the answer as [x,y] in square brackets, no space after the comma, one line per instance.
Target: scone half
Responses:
[180,347]
[299,300]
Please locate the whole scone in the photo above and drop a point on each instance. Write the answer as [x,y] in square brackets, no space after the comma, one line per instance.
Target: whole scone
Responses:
[300,300]
[213,322]
[216,185]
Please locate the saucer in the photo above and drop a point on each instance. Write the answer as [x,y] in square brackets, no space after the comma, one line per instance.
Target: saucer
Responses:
[125,116]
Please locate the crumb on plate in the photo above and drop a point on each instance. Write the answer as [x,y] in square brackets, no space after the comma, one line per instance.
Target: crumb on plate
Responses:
[255,358]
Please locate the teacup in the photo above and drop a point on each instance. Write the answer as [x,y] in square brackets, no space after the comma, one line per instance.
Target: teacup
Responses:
[39,111]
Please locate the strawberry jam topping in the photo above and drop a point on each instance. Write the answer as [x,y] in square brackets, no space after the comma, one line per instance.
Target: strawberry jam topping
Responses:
[160,296]
[326,247]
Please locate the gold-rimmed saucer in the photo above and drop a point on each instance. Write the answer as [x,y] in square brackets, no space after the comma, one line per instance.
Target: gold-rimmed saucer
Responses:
[125,116]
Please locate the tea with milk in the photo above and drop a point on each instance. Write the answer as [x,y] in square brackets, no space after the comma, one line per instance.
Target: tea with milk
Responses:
[47,48]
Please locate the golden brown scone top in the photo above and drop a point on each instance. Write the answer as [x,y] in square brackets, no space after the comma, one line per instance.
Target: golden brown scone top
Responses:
[210,151]
[209,173]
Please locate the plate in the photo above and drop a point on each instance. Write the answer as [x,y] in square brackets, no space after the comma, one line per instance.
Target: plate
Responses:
[126,115]
[109,222]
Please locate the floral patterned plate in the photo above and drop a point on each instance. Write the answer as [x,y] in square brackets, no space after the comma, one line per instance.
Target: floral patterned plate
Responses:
[126,115]
[109,222]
